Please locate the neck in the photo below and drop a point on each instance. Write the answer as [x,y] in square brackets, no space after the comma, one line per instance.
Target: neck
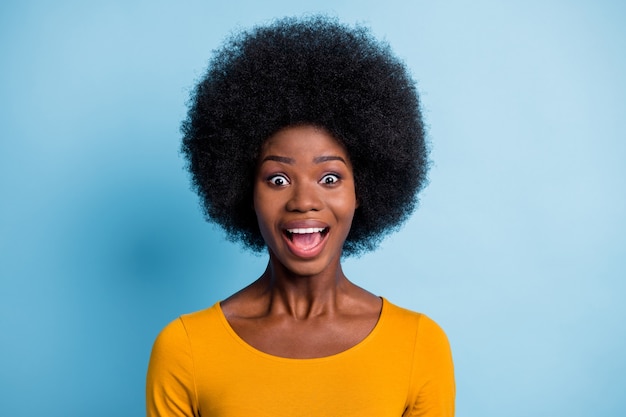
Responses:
[303,296]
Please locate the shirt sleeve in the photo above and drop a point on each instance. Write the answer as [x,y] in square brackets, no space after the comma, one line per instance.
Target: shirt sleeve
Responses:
[170,385]
[433,373]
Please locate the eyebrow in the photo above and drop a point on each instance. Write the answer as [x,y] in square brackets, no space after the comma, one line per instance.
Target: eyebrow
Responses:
[291,161]
[277,158]
[321,159]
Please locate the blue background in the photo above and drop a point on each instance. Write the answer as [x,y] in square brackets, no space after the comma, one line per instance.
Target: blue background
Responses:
[518,248]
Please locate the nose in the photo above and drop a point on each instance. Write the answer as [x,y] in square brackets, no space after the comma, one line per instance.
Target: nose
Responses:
[304,197]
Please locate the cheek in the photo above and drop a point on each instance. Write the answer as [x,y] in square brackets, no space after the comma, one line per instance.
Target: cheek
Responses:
[258,201]
[264,208]
[345,207]
[352,199]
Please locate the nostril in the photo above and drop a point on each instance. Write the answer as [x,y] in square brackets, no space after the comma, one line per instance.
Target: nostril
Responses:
[304,200]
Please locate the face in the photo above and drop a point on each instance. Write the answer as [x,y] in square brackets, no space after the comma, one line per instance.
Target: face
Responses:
[304,198]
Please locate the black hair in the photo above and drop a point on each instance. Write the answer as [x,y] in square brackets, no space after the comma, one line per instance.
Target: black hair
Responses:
[316,71]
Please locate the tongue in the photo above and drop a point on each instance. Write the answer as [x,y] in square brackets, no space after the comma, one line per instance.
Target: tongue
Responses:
[306,241]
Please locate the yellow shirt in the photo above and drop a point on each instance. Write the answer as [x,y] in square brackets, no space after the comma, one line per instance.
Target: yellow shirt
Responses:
[201,367]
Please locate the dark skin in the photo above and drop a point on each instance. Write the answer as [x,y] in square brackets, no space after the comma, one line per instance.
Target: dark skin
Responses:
[303,306]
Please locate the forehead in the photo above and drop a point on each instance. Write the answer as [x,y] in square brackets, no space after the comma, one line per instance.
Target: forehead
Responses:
[303,140]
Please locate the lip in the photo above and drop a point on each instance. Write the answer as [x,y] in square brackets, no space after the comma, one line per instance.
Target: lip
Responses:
[305,224]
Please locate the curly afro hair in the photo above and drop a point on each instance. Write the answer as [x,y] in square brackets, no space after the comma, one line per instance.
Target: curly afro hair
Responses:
[314,71]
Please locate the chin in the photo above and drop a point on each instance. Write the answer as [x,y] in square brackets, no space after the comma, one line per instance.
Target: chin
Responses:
[305,267]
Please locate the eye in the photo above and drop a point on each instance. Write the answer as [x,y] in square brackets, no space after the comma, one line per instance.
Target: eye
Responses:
[278,180]
[329,179]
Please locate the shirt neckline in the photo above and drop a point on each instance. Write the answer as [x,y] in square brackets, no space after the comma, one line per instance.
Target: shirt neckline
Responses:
[366,340]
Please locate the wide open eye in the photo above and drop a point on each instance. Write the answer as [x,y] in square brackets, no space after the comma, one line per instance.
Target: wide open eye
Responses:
[278,180]
[329,179]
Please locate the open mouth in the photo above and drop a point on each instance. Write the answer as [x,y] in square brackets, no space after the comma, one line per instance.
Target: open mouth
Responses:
[306,231]
[306,238]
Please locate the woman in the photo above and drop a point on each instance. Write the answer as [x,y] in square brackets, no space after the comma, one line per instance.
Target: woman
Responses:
[304,139]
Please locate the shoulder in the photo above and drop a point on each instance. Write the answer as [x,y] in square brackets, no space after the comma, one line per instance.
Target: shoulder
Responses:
[432,387]
[178,333]
[405,318]
[199,320]
[171,379]
[429,339]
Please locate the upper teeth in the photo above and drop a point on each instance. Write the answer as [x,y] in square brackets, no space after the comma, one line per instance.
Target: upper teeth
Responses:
[306,230]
